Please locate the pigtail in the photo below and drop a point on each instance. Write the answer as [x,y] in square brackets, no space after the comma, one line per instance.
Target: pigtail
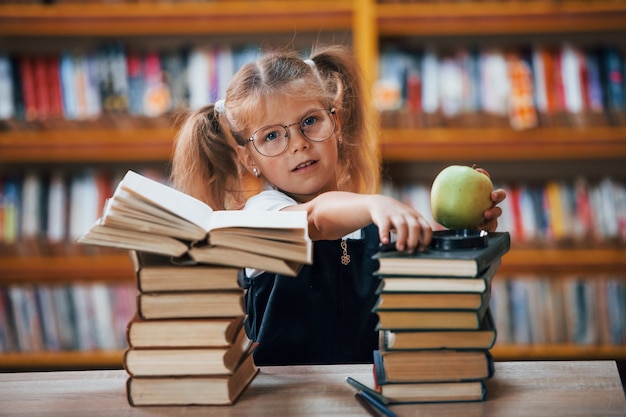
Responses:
[205,163]
[359,159]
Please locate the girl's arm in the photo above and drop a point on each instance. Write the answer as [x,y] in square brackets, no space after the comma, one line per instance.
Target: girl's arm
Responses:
[334,214]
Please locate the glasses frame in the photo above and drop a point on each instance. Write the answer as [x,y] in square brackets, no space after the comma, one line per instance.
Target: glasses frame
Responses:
[332,112]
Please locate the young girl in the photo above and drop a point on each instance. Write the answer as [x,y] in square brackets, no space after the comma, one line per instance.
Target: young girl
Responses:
[300,128]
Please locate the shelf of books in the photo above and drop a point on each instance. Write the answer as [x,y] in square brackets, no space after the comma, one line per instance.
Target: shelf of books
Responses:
[63,145]
[419,18]
[550,100]
[173,18]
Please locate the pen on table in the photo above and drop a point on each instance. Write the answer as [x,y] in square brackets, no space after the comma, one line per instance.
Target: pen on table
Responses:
[372,406]
[362,387]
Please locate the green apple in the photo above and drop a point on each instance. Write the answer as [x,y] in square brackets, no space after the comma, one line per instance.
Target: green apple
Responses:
[459,197]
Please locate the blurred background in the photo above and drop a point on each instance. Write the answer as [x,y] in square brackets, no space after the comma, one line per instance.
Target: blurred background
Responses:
[534,91]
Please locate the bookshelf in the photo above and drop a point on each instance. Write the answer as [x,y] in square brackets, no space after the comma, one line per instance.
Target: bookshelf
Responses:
[365,25]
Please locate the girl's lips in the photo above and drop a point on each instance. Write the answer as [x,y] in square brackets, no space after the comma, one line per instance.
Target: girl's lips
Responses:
[304,165]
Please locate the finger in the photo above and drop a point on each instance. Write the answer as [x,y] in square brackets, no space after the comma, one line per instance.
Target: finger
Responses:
[426,234]
[492,213]
[413,233]
[400,228]
[497,196]
[383,232]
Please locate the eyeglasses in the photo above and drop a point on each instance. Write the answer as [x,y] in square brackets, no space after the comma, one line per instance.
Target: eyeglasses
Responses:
[317,126]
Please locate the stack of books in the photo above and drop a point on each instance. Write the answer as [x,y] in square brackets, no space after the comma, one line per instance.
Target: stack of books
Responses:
[435,326]
[187,344]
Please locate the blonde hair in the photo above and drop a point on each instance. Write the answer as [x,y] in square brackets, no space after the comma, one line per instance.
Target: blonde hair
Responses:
[205,163]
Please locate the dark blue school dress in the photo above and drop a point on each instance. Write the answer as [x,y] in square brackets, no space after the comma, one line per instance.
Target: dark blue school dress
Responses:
[322,316]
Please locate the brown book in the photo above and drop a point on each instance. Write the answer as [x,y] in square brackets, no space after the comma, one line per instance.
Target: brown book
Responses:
[176,305]
[439,286]
[188,361]
[191,390]
[432,300]
[430,319]
[176,333]
[146,215]
[425,392]
[434,365]
[158,273]
[482,338]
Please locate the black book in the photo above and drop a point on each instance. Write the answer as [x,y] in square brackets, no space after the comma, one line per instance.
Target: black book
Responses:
[436,262]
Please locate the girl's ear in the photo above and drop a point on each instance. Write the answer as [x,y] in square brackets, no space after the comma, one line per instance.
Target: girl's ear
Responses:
[245,158]
[337,125]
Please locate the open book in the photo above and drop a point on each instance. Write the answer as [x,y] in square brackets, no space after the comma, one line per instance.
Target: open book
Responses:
[146,215]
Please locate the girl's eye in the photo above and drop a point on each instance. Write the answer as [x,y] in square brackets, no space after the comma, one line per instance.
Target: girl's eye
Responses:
[309,121]
[272,136]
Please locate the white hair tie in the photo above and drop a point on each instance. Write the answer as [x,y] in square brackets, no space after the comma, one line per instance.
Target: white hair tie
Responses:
[310,63]
[220,106]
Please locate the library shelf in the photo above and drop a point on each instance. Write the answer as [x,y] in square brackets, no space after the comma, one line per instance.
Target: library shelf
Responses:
[503,143]
[113,359]
[174,18]
[365,24]
[97,359]
[64,269]
[116,267]
[548,260]
[566,351]
[496,17]
[86,145]
[428,144]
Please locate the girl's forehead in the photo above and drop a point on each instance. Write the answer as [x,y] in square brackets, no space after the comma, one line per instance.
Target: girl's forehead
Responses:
[282,110]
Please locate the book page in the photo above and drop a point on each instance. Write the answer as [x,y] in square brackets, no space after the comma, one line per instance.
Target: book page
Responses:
[137,214]
[282,220]
[167,198]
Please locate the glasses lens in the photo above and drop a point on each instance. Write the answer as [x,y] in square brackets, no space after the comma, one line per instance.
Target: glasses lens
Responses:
[270,140]
[318,125]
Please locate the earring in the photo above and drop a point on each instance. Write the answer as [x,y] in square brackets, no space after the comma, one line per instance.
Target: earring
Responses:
[256,172]
[339,140]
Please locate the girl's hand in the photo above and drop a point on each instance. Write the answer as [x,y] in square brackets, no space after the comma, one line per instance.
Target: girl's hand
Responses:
[490,217]
[411,228]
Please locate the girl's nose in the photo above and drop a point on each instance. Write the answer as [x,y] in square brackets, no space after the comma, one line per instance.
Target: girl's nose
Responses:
[297,141]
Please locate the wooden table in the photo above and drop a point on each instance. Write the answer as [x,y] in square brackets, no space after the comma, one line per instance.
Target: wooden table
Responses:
[549,389]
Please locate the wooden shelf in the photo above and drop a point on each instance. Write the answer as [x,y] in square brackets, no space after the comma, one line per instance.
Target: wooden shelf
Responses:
[503,143]
[174,18]
[549,260]
[91,145]
[186,18]
[61,360]
[117,267]
[557,352]
[499,18]
[66,268]
[437,144]
[113,359]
